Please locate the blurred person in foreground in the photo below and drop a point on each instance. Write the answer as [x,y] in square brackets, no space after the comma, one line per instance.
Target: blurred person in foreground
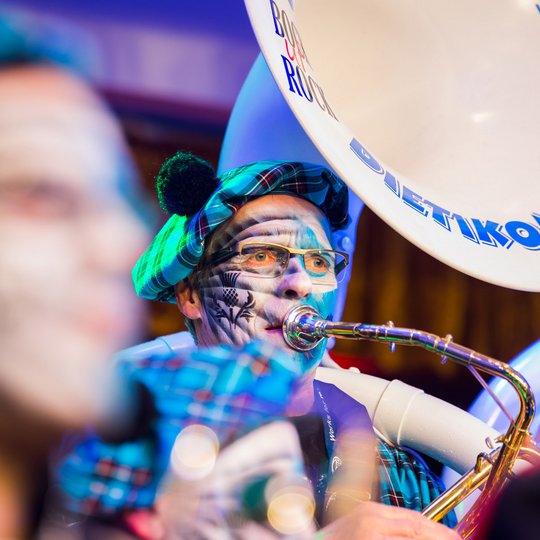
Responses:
[68,235]
[237,253]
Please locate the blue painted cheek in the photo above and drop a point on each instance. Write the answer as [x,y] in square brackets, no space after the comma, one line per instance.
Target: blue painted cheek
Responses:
[312,358]
[324,304]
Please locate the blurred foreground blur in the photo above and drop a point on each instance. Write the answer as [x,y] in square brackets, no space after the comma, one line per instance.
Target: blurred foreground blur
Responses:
[68,237]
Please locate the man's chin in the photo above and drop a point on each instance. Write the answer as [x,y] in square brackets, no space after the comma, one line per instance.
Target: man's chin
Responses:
[308,360]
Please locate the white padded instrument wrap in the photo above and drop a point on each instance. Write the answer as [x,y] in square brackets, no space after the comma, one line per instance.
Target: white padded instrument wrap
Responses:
[406,416]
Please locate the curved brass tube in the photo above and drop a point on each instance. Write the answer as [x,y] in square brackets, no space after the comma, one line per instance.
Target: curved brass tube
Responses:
[304,328]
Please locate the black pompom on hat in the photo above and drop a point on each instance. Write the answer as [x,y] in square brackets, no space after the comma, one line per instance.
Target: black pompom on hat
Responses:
[184,183]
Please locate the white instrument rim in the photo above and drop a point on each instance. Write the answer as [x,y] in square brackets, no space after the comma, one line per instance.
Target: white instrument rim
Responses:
[451,240]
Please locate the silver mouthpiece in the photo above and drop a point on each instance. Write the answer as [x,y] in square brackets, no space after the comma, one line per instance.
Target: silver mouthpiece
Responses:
[301,328]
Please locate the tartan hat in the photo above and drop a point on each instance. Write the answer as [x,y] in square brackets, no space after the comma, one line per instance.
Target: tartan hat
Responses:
[178,246]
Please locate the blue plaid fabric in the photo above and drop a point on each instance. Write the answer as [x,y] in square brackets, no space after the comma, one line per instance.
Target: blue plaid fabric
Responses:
[178,246]
[226,389]
[405,480]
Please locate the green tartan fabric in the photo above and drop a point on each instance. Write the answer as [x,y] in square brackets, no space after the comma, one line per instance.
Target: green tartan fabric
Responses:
[178,246]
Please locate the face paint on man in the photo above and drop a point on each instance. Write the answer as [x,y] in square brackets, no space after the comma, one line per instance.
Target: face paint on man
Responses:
[238,305]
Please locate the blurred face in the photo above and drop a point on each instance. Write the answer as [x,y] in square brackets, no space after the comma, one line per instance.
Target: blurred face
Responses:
[235,301]
[68,239]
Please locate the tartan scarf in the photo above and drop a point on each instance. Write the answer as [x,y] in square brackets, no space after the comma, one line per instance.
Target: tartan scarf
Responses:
[178,246]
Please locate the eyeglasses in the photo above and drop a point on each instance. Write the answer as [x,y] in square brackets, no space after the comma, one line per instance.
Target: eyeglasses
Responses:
[325,266]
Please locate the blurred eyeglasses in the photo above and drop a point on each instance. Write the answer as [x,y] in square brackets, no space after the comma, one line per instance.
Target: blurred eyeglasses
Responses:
[325,266]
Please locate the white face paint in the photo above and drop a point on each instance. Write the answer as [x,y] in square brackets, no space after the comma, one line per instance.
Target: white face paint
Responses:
[68,239]
[237,306]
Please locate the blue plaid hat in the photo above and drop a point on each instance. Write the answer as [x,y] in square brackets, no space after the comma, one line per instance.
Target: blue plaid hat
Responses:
[178,246]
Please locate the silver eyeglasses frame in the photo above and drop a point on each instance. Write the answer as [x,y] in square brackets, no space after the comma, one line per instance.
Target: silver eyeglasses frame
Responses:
[224,255]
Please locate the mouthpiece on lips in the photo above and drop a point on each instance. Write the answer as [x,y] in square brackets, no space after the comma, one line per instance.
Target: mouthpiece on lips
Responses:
[301,328]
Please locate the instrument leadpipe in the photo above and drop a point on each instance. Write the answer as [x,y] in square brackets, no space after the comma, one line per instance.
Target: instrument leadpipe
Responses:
[304,328]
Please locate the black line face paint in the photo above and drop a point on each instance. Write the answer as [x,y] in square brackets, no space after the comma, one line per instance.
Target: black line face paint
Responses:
[238,306]
[227,303]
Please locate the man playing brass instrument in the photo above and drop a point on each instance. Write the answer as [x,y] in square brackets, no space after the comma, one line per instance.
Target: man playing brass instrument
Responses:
[236,255]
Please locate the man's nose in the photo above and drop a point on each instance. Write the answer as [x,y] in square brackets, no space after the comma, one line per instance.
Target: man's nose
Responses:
[295,282]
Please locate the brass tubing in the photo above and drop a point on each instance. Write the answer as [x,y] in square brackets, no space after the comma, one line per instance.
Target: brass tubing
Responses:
[303,328]
[473,479]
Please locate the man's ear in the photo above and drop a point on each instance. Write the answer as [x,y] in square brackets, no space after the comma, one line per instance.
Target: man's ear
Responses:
[187,300]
